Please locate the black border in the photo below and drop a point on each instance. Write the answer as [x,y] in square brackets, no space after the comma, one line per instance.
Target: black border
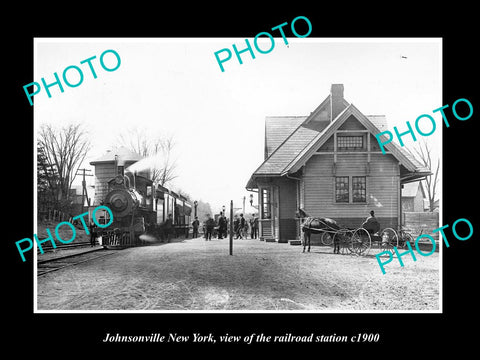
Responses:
[84,332]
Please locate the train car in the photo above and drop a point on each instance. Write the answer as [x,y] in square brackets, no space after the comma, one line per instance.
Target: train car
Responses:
[167,203]
[183,211]
[140,212]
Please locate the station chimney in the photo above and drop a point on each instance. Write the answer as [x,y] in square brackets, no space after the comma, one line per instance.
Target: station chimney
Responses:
[337,105]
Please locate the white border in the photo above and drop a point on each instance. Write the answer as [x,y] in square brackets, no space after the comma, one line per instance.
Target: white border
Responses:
[226,40]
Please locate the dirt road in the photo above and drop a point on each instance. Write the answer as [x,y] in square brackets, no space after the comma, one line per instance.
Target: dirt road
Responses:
[199,275]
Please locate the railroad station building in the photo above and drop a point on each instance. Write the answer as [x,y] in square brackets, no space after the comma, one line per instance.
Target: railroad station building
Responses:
[329,163]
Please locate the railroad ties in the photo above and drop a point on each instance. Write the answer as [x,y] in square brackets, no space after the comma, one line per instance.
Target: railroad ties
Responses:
[57,263]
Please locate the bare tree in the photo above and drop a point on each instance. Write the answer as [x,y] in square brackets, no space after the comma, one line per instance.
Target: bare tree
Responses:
[63,150]
[186,195]
[424,153]
[162,170]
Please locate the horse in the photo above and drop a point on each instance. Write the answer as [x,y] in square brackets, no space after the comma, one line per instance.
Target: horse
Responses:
[313,224]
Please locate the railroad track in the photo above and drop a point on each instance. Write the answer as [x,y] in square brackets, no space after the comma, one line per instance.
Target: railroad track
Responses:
[47,266]
[50,248]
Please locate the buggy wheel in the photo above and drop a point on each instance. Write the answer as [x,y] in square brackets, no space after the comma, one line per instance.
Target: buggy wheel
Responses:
[327,238]
[389,239]
[403,238]
[361,241]
[344,238]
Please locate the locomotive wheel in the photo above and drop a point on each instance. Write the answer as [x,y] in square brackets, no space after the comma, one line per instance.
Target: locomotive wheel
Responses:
[361,241]
[389,239]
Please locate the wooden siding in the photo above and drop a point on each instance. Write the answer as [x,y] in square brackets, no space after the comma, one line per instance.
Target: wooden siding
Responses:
[288,230]
[351,124]
[328,145]
[287,208]
[374,146]
[383,184]
[103,173]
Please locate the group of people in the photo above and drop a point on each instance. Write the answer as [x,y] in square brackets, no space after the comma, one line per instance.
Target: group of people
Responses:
[240,227]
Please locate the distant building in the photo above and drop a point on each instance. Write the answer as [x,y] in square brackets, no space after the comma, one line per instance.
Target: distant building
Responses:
[112,163]
[76,195]
[413,197]
[329,163]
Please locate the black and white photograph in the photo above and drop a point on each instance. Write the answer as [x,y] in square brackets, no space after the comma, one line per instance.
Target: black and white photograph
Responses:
[264,187]
[230,180]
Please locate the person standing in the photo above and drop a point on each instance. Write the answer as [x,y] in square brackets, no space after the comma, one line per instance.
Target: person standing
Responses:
[93,233]
[253,226]
[167,227]
[222,225]
[242,226]
[209,224]
[236,227]
[195,225]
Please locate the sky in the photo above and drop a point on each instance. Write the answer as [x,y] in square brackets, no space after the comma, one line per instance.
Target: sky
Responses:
[174,87]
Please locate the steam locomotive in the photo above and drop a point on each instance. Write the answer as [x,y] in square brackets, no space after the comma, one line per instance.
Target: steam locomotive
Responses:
[140,211]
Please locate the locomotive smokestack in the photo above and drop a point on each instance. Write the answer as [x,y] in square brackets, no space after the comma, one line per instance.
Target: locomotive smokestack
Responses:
[119,165]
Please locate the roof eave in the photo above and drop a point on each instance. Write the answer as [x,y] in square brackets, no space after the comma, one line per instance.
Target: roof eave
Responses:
[415,176]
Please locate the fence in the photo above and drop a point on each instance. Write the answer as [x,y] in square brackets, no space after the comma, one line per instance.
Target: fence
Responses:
[54,215]
[417,222]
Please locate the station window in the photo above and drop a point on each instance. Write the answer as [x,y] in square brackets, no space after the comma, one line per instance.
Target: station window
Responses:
[350,143]
[266,200]
[359,189]
[344,187]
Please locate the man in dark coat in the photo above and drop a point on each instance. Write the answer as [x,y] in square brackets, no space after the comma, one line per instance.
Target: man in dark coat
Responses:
[209,225]
[93,233]
[195,225]
[253,226]
[371,224]
[242,226]
[222,225]
[236,226]
[167,227]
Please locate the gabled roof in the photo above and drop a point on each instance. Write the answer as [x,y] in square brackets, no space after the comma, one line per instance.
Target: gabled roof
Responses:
[305,139]
[292,135]
[286,151]
[406,159]
[277,129]
[411,189]
[122,153]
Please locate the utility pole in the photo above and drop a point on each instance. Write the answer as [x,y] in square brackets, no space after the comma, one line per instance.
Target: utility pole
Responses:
[84,187]
[231,227]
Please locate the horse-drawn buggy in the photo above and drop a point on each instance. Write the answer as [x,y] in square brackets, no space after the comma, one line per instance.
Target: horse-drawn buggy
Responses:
[346,240]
